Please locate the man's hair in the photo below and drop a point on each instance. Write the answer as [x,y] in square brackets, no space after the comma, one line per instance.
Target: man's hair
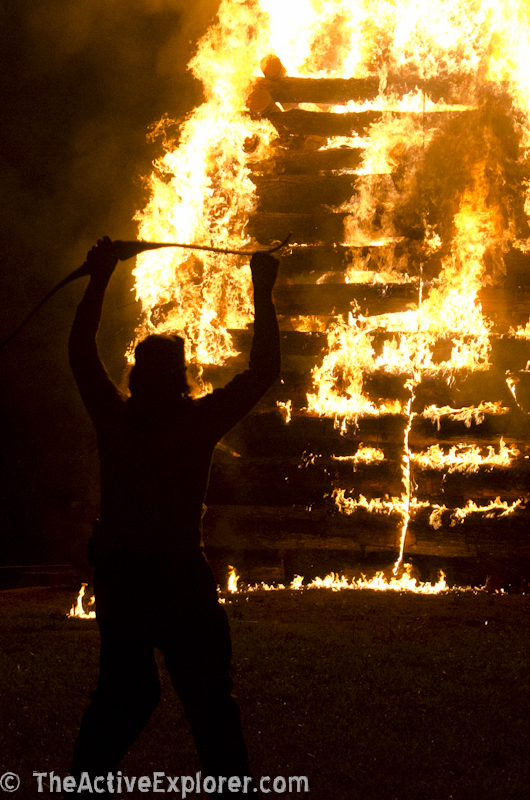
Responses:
[159,369]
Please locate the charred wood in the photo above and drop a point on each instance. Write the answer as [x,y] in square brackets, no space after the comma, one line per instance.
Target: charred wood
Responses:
[294,528]
[509,353]
[294,343]
[454,489]
[326,258]
[478,535]
[471,428]
[507,308]
[307,481]
[305,228]
[266,435]
[240,527]
[303,194]
[309,162]
[332,299]
[321,90]
[341,90]
[324,123]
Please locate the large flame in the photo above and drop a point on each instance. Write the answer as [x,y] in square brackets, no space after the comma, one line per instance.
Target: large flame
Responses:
[433,168]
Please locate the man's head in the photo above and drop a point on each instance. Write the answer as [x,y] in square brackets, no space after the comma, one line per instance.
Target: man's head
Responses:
[159,370]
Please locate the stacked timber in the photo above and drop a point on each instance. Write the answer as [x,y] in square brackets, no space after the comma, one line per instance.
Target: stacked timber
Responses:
[278,477]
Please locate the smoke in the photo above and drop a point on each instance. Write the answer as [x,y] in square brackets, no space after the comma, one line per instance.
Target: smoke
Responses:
[81,85]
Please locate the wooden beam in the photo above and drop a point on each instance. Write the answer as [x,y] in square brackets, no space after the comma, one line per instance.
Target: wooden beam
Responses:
[257,527]
[302,193]
[506,307]
[324,123]
[330,299]
[341,90]
[320,90]
[477,536]
[309,162]
[334,258]
[305,228]
[260,526]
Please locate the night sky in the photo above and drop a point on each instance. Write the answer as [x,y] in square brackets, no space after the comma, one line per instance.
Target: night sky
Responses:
[81,84]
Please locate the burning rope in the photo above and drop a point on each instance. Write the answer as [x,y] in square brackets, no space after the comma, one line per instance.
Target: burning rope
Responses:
[126,250]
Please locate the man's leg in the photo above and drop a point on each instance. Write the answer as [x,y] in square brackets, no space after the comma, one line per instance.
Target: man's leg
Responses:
[127,693]
[198,659]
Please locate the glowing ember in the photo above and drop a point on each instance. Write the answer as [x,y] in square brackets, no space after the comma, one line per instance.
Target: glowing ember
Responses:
[364,455]
[285,410]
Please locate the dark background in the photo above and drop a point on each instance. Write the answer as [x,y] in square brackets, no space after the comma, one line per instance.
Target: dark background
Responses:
[81,83]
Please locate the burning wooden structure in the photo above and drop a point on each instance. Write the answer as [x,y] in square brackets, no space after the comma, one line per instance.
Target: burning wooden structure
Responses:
[400,428]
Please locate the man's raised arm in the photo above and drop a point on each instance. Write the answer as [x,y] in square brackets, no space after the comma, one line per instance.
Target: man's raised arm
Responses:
[265,358]
[229,405]
[93,380]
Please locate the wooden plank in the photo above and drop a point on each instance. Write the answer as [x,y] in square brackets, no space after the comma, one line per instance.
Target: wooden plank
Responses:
[259,526]
[487,484]
[310,229]
[302,350]
[311,479]
[288,161]
[477,536]
[341,90]
[320,90]
[319,259]
[325,123]
[296,343]
[462,422]
[507,308]
[455,489]
[506,353]
[308,481]
[511,425]
[266,435]
[509,353]
[299,122]
[302,194]
[270,228]
[340,298]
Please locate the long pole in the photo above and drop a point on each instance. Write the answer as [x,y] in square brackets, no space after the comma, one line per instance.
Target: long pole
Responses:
[125,250]
[128,249]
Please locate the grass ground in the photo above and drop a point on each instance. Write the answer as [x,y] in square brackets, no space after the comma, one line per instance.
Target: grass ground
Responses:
[373,696]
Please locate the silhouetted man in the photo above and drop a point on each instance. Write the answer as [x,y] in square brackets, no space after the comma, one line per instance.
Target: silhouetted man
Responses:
[153,585]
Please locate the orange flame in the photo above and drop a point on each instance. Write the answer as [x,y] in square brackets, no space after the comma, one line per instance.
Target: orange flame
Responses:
[78,609]
[201,191]
[233,578]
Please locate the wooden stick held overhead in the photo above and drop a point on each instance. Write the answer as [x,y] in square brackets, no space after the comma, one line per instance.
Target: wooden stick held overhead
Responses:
[128,249]
[125,250]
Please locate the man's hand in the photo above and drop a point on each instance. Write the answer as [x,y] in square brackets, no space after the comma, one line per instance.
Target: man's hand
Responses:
[102,259]
[264,273]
